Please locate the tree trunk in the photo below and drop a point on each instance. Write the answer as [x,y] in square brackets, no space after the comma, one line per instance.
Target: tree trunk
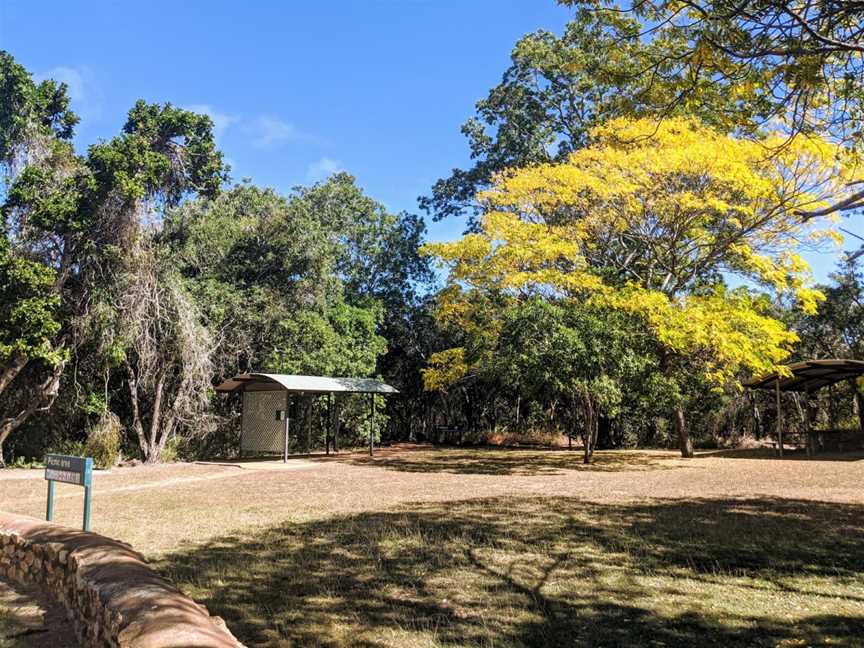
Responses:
[604,434]
[589,430]
[40,400]
[154,445]
[137,424]
[11,370]
[684,442]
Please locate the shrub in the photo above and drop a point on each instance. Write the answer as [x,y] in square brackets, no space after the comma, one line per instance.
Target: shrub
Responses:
[104,440]
[68,447]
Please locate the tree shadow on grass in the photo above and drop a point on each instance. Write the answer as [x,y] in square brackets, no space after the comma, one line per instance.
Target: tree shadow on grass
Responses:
[798,454]
[511,461]
[29,619]
[544,572]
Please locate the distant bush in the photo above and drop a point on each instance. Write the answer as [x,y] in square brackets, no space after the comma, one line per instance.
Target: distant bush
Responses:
[68,447]
[176,449]
[104,441]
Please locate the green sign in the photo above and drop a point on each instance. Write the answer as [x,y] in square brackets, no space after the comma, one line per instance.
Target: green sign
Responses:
[69,470]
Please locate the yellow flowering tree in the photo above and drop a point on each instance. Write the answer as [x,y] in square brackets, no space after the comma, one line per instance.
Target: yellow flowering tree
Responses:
[655,219]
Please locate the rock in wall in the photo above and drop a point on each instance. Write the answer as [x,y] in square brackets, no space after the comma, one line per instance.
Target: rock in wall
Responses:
[112,596]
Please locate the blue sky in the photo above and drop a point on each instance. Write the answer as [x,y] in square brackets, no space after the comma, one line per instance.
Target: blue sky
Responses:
[297,89]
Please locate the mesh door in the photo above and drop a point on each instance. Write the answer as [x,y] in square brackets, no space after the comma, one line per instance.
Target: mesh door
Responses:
[260,431]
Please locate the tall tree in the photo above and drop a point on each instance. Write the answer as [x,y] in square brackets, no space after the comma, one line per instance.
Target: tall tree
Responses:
[650,226]
[558,88]
[837,329]
[74,217]
[152,334]
[795,63]
[279,279]
[378,260]
[36,125]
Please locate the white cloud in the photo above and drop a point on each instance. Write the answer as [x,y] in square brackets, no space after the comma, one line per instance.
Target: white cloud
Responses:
[323,168]
[72,77]
[270,131]
[81,87]
[221,121]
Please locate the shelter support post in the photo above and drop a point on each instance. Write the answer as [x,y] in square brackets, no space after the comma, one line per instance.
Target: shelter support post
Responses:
[858,402]
[286,427]
[779,419]
[371,424]
[337,403]
[329,423]
[810,407]
[310,403]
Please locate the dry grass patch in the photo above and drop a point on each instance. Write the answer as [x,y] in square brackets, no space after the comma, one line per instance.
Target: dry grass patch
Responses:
[494,547]
[544,572]
[513,461]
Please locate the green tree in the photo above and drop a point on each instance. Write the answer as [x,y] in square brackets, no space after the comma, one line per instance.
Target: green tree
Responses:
[288,283]
[73,217]
[558,88]
[794,63]
[579,362]
[836,330]
[265,269]
[646,221]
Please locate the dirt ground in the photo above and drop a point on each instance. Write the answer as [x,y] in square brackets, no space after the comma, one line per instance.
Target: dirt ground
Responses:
[739,546]
[29,620]
[164,508]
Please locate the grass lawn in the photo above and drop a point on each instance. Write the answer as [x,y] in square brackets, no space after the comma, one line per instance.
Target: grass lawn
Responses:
[502,547]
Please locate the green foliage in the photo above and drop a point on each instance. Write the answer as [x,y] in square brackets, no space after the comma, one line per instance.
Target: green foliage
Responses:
[343,341]
[74,447]
[30,113]
[558,88]
[837,329]
[798,63]
[265,269]
[165,153]
[28,308]
[105,441]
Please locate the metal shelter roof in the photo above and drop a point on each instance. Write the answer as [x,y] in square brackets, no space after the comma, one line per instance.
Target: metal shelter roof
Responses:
[810,375]
[305,384]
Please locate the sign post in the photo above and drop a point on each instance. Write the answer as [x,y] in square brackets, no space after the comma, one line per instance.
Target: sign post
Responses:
[69,470]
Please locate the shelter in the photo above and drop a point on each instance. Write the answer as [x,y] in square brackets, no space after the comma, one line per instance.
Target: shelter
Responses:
[805,378]
[266,419]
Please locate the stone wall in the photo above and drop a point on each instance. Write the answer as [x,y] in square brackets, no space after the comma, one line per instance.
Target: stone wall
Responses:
[112,597]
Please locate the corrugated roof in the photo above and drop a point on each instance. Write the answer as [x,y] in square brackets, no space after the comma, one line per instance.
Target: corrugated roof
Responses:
[306,384]
[810,375]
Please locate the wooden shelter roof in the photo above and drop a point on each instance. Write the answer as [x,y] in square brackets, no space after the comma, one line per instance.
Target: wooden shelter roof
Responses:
[810,375]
